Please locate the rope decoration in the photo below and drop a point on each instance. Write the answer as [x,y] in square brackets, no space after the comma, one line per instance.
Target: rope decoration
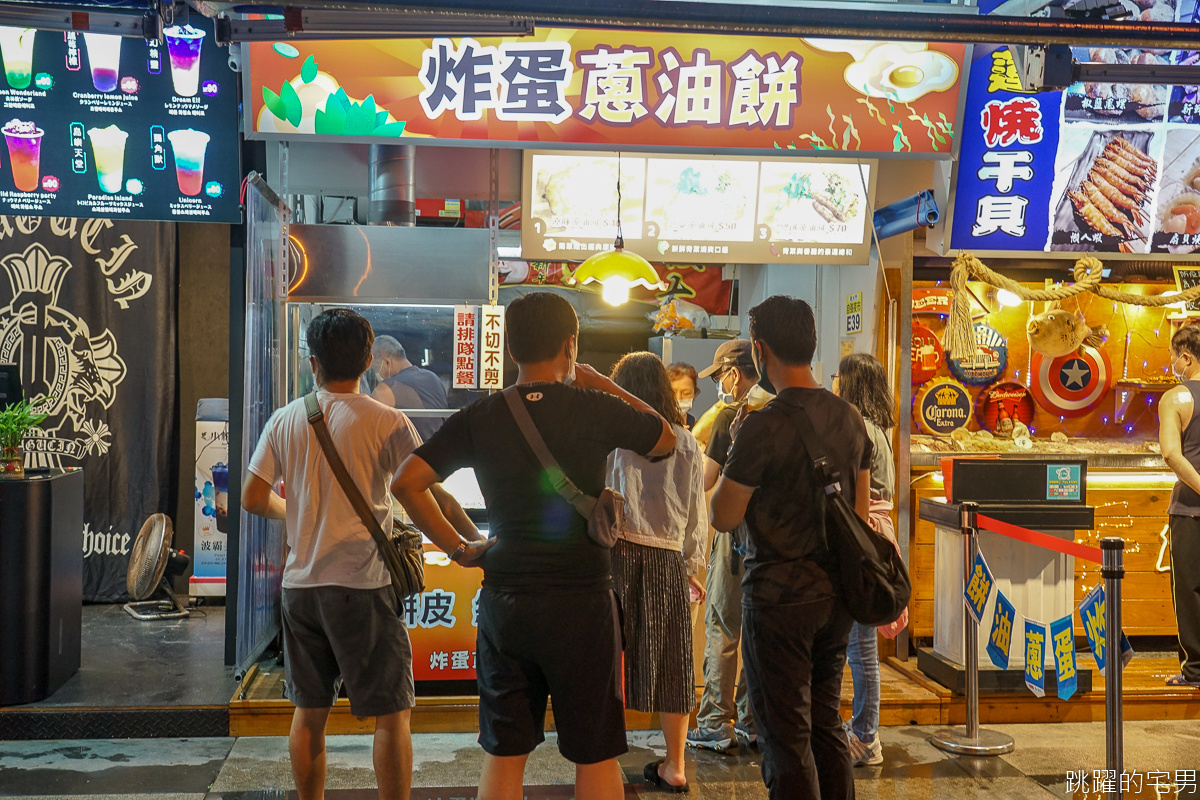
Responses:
[959,338]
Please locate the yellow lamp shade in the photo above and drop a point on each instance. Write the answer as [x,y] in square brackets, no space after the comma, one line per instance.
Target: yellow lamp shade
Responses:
[617,271]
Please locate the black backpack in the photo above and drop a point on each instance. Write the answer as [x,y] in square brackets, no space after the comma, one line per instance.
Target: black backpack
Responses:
[865,567]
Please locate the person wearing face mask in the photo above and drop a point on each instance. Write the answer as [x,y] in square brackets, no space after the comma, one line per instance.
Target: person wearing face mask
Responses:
[1179,437]
[548,618]
[684,385]
[404,385]
[795,626]
[724,719]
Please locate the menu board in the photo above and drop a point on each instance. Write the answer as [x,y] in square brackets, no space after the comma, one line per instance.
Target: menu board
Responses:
[101,125]
[702,210]
[1099,167]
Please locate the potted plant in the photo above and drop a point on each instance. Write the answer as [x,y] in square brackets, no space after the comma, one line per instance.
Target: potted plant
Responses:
[16,421]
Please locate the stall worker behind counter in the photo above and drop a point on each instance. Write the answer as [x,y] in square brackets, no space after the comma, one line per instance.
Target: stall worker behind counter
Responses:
[404,385]
[548,621]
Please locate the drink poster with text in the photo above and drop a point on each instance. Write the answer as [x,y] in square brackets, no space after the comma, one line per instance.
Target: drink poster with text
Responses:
[1097,167]
[101,125]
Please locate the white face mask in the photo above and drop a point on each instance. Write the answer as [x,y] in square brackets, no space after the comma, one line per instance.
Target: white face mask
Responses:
[725,397]
[685,405]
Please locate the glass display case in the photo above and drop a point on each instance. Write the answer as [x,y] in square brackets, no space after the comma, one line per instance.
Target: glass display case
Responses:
[426,332]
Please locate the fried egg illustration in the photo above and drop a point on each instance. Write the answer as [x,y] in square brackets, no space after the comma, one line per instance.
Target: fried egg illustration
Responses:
[896,72]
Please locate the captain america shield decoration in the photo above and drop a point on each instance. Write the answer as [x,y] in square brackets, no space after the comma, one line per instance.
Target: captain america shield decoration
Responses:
[1071,385]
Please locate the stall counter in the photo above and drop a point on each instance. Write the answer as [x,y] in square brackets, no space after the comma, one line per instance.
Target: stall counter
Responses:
[1130,494]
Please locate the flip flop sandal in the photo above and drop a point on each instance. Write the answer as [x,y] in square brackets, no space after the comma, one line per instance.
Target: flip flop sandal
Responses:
[650,773]
[1179,680]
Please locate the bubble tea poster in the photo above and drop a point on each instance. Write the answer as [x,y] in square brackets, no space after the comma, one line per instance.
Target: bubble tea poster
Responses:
[103,125]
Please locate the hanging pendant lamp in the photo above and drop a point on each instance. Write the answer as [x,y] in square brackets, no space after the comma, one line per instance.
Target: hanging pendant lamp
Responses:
[617,270]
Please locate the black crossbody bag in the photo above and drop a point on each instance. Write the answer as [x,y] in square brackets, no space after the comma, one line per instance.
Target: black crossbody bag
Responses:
[865,567]
[605,514]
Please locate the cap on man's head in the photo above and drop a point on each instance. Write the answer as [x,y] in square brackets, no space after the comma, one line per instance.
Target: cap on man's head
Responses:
[734,353]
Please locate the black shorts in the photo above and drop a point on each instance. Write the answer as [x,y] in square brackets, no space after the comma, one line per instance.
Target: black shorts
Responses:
[565,645]
[333,634]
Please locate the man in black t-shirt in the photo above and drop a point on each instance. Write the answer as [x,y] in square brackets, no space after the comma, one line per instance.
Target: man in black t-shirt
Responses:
[794,625]
[548,622]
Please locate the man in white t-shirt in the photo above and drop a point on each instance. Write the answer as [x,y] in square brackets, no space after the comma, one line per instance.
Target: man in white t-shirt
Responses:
[341,617]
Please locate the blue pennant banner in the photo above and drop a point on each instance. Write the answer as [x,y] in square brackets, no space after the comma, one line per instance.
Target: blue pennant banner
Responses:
[1062,639]
[1091,612]
[1035,657]
[1000,638]
[979,588]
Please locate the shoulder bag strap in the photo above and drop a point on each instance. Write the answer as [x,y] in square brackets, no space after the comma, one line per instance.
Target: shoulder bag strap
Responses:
[316,418]
[809,438]
[583,503]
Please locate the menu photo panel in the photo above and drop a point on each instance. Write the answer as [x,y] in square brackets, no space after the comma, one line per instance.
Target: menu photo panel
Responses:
[102,125]
[701,210]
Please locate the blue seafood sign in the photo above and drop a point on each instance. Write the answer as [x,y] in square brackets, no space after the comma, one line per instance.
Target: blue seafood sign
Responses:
[987,362]
[944,407]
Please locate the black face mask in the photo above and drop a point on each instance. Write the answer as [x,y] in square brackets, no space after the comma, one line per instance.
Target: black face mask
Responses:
[761,366]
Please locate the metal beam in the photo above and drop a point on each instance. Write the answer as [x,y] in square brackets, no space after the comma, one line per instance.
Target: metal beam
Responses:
[1177,74]
[313,24]
[944,25]
[62,18]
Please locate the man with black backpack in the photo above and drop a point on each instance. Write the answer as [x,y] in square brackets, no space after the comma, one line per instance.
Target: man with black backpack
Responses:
[795,626]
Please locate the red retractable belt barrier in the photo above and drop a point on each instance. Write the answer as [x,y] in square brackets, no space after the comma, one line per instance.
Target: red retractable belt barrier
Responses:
[1040,539]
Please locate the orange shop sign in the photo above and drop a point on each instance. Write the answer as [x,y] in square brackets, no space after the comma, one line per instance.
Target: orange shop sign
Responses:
[612,88]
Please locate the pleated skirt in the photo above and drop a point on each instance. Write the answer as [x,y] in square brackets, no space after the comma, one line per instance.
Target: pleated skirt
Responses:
[651,583]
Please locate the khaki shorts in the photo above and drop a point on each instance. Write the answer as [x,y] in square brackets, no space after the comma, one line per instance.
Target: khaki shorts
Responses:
[332,634]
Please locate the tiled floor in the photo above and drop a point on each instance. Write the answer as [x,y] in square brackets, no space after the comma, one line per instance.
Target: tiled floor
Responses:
[257,768]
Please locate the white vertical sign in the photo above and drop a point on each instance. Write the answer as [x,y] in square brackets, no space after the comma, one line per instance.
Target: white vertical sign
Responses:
[491,347]
[466,347]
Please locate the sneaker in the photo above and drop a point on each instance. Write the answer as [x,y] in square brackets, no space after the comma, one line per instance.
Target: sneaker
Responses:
[863,754]
[746,736]
[722,740]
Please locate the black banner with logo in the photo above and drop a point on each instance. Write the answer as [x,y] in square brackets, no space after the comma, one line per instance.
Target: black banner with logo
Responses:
[88,312]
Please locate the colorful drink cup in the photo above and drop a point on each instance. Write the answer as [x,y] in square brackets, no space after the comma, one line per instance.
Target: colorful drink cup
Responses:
[24,141]
[104,57]
[16,47]
[183,46]
[108,147]
[189,146]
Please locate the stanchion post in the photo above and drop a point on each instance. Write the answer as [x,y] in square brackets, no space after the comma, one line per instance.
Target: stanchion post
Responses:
[969,511]
[971,740]
[1113,571]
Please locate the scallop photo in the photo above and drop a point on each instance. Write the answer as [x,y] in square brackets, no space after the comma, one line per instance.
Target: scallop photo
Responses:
[1177,214]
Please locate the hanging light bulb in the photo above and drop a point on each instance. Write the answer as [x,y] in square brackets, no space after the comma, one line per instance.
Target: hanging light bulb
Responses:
[616,270]
[1007,298]
[615,291]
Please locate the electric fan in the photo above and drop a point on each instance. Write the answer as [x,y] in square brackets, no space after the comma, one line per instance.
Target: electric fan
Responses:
[151,566]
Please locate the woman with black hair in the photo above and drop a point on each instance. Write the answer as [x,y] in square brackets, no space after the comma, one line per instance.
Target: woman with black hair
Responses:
[659,556]
[861,381]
